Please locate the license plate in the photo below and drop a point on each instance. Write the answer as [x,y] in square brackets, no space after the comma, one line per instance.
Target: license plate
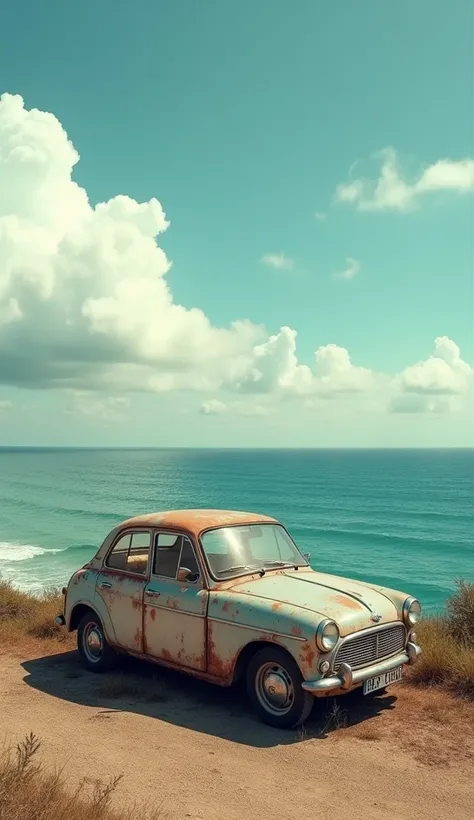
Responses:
[380,681]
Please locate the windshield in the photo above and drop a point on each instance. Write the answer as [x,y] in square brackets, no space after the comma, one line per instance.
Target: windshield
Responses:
[234,551]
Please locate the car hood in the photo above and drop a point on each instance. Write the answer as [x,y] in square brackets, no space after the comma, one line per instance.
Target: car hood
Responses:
[352,604]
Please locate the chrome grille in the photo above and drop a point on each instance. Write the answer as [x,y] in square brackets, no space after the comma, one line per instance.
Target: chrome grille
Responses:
[371,646]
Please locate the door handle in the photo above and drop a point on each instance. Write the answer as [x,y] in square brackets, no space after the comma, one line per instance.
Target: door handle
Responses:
[153,593]
[105,585]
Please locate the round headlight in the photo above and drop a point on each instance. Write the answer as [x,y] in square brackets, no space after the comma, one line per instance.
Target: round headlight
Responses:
[327,636]
[412,611]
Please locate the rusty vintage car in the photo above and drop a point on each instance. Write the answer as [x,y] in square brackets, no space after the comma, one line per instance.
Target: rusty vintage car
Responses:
[228,595]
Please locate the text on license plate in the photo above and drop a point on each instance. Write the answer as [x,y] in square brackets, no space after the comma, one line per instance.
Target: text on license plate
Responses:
[383,680]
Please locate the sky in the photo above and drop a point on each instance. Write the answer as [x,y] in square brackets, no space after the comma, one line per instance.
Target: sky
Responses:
[237,224]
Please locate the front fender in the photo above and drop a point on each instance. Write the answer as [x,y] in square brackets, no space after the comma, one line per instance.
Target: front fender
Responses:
[234,621]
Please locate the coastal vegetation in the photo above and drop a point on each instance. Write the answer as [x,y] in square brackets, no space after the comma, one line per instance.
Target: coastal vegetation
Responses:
[28,792]
[448,646]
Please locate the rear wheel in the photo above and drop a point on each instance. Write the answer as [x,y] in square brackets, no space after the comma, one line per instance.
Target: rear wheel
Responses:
[274,689]
[96,654]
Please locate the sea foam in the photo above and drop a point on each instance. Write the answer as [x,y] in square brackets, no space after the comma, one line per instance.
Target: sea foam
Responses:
[10,551]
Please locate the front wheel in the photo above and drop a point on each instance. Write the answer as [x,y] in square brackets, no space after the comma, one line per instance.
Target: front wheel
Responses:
[274,689]
[96,654]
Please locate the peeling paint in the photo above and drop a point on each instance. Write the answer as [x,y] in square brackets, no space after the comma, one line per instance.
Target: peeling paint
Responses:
[350,603]
[195,521]
[218,666]
[307,655]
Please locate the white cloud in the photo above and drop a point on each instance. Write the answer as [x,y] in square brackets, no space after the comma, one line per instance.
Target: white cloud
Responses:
[320,216]
[390,191]
[274,368]
[352,269]
[213,407]
[432,384]
[335,374]
[278,261]
[5,406]
[84,300]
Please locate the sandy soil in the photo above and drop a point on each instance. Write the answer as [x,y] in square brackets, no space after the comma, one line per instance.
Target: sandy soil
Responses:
[197,752]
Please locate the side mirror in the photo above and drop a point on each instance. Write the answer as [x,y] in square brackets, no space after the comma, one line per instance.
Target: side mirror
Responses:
[185,574]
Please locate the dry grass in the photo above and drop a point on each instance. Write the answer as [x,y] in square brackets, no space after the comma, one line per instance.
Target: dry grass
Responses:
[434,727]
[335,718]
[26,619]
[368,731]
[448,646]
[460,609]
[27,792]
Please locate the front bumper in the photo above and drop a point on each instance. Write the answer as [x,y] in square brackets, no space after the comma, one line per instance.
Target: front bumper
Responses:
[347,678]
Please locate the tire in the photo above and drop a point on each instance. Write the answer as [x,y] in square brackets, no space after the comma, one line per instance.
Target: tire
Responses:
[96,654]
[274,689]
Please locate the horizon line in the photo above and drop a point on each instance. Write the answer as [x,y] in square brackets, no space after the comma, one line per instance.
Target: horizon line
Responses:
[25,447]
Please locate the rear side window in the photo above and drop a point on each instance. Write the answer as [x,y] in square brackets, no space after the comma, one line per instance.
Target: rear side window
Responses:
[130,553]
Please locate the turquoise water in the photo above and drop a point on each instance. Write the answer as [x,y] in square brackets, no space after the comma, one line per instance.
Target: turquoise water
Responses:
[404,519]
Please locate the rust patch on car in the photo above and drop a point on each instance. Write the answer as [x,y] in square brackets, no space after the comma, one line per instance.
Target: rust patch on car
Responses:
[167,656]
[347,602]
[137,638]
[226,606]
[172,603]
[136,604]
[307,655]
[153,614]
[269,636]
[296,631]
[216,664]
[276,606]
[195,521]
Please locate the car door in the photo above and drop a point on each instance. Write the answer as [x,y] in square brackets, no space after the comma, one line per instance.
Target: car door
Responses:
[121,583]
[175,603]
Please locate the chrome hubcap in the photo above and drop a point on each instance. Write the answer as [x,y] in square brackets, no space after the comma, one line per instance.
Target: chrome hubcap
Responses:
[274,688]
[93,642]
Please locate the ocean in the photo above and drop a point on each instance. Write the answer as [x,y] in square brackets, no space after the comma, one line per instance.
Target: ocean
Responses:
[401,518]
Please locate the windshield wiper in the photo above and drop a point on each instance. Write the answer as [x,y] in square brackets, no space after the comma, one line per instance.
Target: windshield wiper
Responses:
[280,564]
[240,567]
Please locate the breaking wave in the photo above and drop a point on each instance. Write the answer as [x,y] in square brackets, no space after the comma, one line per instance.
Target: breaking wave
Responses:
[10,551]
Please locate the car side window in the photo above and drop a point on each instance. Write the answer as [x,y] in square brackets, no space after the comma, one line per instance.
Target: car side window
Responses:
[130,553]
[174,557]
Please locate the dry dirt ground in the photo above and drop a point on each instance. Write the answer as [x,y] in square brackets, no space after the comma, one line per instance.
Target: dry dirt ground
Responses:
[196,751]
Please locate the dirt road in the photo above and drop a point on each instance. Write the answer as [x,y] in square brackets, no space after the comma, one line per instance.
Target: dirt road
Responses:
[196,751]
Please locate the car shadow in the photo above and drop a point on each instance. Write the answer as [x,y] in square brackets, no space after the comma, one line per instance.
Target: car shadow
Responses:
[145,689]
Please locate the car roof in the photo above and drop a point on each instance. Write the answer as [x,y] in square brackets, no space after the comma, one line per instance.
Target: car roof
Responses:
[196,521]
